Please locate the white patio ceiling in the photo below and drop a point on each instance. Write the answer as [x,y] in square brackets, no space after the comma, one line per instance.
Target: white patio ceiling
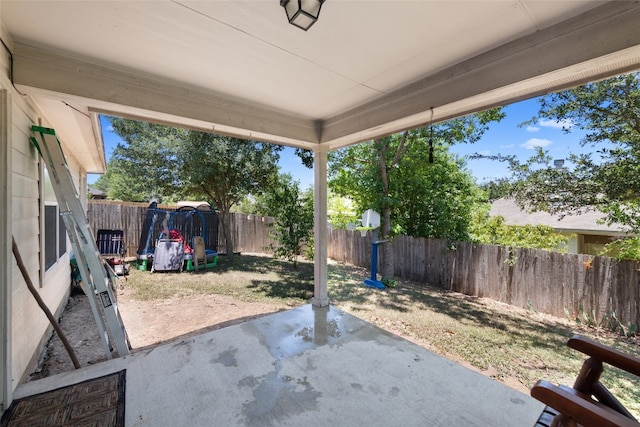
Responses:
[366,69]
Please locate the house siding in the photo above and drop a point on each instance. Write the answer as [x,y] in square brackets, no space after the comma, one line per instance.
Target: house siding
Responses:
[5,251]
[30,328]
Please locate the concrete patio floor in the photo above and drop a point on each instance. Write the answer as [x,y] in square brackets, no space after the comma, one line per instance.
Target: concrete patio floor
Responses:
[303,367]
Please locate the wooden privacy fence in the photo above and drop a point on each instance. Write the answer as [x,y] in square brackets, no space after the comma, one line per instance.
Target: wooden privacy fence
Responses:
[544,281]
[128,217]
[250,233]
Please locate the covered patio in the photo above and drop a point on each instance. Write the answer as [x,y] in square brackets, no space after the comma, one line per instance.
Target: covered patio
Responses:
[366,69]
[311,366]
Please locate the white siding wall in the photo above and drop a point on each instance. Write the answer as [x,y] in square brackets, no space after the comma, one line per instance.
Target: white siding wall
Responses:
[24,328]
[30,327]
[5,230]
[5,251]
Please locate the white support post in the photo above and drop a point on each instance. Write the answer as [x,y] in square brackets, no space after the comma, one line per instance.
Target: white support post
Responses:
[320,294]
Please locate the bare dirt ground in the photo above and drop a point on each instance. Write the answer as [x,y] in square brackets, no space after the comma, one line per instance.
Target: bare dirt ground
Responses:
[150,323]
[147,323]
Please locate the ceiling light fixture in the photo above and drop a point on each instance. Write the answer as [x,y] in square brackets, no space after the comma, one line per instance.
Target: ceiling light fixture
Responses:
[302,13]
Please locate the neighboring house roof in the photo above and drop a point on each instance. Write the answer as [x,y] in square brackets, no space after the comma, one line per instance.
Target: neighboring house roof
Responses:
[94,193]
[586,223]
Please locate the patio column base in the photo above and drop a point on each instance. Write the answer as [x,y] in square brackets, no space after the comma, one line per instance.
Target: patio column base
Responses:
[319,302]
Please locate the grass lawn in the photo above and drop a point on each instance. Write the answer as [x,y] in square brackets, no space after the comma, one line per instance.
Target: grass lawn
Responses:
[512,345]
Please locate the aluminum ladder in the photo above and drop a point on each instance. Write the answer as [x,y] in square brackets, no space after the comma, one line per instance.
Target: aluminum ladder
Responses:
[96,278]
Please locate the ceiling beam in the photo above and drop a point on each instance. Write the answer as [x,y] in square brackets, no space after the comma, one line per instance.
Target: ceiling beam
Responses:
[58,73]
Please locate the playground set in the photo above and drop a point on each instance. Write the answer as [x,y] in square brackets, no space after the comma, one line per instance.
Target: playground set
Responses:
[176,240]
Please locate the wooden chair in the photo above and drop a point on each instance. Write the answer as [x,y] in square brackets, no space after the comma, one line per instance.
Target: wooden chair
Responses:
[588,403]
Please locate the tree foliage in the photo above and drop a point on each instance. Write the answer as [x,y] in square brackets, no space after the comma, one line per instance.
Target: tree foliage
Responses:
[226,170]
[605,178]
[120,186]
[624,248]
[493,231]
[145,166]
[412,180]
[497,189]
[170,163]
[434,200]
[425,197]
[292,228]
[340,211]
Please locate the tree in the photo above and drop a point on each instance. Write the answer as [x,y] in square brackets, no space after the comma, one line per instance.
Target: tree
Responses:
[170,163]
[340,211]
[434,199]
[246,206]
[118,185]
[494,231]
[497,189]
[226,170]
[292,228]
[604,178]
[144,167]
[623,248]
[399,175]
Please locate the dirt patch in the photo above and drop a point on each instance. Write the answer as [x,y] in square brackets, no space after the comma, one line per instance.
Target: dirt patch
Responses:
[147,323]
[152,322]
[78,324]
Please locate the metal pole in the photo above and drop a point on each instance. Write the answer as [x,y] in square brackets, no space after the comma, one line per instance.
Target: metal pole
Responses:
[373,282]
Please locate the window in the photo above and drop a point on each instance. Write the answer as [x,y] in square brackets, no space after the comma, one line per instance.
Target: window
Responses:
[594,244]
[55,232]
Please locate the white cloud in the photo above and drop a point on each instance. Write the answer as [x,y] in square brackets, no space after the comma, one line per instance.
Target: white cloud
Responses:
[563,124]
[535,142]
[485,152]
[533,128]
[508,146]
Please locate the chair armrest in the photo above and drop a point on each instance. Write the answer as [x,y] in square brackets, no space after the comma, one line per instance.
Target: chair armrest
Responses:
[584,411]
[605,354]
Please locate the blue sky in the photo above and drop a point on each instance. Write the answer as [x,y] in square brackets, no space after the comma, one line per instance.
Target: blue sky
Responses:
[509,138]
[505,137]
